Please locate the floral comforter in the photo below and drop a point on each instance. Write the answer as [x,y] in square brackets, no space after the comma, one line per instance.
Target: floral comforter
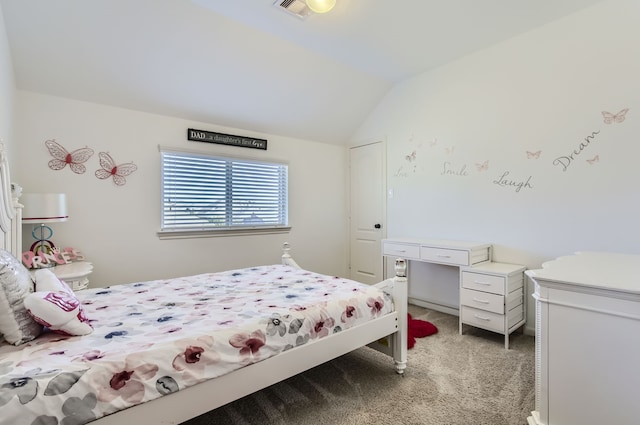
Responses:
[154,338]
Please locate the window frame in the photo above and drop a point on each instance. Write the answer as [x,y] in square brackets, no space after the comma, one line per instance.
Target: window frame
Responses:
[167,232]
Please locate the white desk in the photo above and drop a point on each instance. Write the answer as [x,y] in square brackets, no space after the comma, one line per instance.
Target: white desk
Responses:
[443,252]
[587,340]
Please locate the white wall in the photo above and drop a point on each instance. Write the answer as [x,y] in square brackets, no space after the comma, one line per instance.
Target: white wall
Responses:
[115,227]
[544,92]
[7,90]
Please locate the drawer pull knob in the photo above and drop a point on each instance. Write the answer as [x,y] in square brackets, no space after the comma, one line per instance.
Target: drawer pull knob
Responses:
[479,282]
[481,301]
[443,256]
[486,319]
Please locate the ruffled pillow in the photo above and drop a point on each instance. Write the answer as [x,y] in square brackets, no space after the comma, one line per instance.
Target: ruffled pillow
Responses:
[16,325]
[55,306]
[46,281]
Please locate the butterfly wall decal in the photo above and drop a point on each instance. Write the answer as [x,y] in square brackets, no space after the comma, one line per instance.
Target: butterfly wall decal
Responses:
[62,158]
[594,159]
[411,156]
[110,169]
[484,166]
[610,118]
[533,155]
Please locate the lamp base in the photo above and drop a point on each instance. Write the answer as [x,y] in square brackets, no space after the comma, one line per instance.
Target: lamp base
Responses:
[43,247]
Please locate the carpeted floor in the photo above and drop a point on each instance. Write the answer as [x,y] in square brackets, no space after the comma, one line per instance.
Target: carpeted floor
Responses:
[451,379]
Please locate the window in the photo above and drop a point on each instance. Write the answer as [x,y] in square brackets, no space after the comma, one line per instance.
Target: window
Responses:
[211,194]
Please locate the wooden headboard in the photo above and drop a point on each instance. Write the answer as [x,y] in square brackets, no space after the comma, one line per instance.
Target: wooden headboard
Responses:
[10,209]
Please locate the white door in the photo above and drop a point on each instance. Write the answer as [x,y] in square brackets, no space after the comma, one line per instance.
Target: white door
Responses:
[367,211]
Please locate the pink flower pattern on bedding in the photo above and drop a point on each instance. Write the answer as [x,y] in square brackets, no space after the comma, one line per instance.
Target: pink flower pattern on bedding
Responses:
[154,338]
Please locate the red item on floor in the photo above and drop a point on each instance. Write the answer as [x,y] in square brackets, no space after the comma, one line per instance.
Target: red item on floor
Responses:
[418,329]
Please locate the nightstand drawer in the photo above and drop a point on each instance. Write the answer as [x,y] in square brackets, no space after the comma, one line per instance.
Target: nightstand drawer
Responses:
[444,256]
[483,282]
[401,250]
[482,300]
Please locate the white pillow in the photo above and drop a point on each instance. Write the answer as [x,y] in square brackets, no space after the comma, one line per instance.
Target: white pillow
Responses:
[46,280]
[16,325]
[55,306]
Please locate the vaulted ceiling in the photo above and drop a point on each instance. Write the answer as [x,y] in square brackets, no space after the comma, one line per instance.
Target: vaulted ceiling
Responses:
[247,63]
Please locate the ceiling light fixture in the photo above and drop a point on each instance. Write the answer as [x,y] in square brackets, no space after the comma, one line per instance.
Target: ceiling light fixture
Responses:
[321,6]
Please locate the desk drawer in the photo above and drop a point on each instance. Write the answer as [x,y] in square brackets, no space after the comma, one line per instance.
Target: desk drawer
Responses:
[401,250]
[483,282]
[482,319]
[482,300]
[444,256]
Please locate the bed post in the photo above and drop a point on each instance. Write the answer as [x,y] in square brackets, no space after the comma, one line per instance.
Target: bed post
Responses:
[10,209]
[400,299]
[287,260]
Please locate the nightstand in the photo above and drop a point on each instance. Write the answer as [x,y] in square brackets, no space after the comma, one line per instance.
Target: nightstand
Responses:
[75,274]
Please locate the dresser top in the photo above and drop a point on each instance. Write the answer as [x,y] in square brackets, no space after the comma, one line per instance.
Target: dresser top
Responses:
[604,270]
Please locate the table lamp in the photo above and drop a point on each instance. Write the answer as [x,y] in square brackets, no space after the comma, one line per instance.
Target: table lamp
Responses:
[39,209]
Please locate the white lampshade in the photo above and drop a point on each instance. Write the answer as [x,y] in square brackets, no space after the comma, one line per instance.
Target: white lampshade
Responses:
[44,207]
[321,6]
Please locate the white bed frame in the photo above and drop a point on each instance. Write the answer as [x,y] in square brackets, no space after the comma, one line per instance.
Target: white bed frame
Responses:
[387,334]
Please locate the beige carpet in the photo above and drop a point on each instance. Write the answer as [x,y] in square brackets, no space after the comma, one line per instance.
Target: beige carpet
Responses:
[451,379]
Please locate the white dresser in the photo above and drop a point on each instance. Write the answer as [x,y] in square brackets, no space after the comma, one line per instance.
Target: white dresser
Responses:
[492,298]
[587,340]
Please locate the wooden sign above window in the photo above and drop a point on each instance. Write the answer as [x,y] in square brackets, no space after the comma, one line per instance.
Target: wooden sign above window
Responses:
[225,139]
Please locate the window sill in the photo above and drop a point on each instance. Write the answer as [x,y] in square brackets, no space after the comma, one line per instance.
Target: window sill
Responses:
[202,233]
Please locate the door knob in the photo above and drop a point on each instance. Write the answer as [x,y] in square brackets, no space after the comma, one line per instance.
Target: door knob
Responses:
[377,225]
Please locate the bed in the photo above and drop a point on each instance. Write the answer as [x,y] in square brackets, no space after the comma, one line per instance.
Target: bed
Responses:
[165,351]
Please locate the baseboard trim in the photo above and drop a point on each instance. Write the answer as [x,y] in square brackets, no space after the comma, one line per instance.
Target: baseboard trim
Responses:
[433,306]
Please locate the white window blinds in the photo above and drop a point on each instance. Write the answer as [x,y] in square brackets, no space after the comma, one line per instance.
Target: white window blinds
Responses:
[201,192]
